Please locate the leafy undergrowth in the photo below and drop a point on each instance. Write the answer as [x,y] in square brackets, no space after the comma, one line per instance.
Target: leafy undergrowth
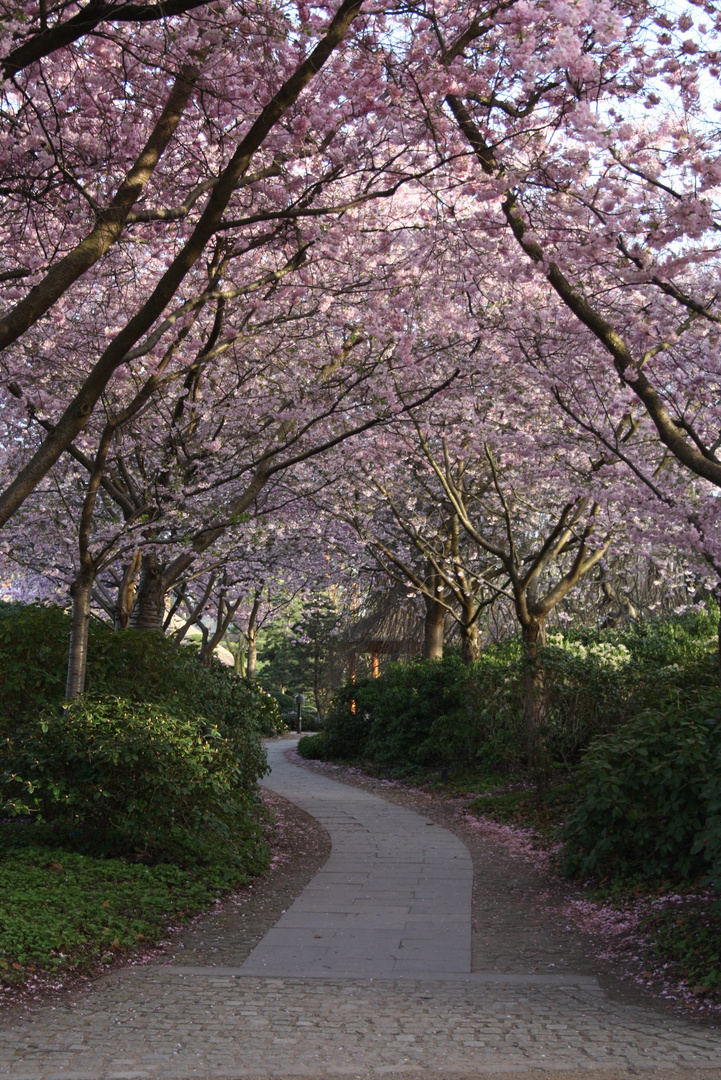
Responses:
[687,938]
[448,782]
[545,812]
[62,912]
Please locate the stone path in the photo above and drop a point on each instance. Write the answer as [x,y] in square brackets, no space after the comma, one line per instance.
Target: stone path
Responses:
[393,900]
[386,989]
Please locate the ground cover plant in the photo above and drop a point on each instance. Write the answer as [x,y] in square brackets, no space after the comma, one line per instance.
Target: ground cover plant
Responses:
[544,812]
[64,912]
[686,936]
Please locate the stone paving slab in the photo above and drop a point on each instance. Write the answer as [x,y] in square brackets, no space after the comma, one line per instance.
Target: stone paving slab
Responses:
[407,879]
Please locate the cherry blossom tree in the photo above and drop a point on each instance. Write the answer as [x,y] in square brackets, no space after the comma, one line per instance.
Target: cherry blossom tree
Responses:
[143,236]
[238,236]
[597,156]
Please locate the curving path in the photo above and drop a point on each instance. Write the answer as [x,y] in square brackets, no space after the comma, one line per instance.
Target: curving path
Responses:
[366,974]
[393,900]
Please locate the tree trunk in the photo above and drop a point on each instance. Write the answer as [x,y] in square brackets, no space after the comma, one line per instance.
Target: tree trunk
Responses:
[126,594]
[718,598]
[433,630]
[470,645]
[534,702]
[253,634]
[149,609]
[252,652]
[316,684]
[239,659]
[80,591]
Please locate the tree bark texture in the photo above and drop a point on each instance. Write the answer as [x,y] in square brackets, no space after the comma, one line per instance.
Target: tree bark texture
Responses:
[718,599]
[126,594]
[433,629]
[470,644]
[149,609]
[78,651]
[252,652]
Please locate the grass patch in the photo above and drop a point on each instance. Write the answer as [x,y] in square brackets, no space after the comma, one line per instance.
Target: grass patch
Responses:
[62,911]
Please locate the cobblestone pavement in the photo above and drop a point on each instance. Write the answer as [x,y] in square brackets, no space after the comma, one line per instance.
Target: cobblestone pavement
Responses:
[181,1019]
[151,1023]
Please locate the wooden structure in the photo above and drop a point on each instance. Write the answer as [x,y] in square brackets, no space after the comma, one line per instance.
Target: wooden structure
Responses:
[393,628]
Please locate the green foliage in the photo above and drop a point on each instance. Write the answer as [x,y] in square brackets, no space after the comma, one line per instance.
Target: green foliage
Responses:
[134,778]
[345,731]
[708,842]
[33,660]
[63,911]
[543,811]
[160,758]
[679,643]
[690,939]
[298,652]
[449,713]
[313,747]
[134,665]
[158,764]
[417,712]
[414,714]
[644,792]
[471,716]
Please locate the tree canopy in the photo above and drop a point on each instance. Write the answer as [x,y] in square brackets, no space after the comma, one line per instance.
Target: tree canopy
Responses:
[297,295]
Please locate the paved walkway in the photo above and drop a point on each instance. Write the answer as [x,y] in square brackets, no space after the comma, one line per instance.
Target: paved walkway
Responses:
[385,989]
[393,900]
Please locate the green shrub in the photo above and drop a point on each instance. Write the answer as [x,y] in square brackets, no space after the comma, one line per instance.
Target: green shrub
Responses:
[409,710]
[430,713]
[644,793]
[345,731]
[312,747]
[134,778]
[677,643]
[33,660]
[708,842]
[134,665]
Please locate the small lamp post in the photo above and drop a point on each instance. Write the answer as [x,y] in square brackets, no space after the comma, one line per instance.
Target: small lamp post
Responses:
[299,699]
